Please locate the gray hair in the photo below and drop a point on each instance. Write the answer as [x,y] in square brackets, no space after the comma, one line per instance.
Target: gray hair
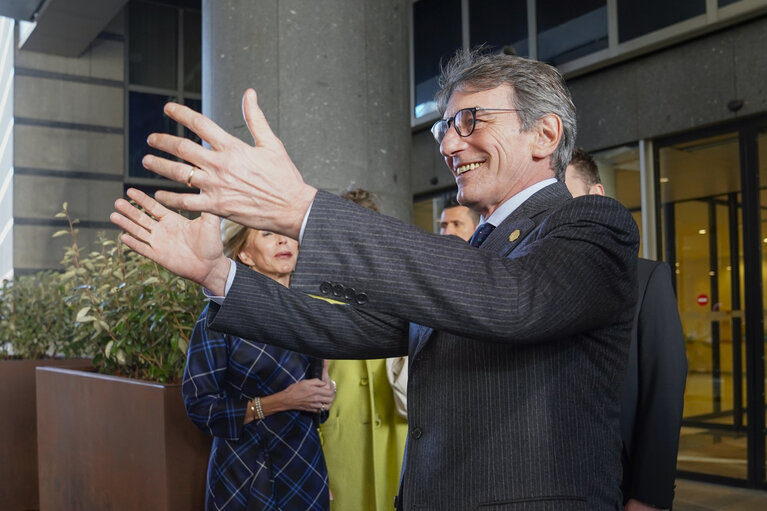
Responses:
[539,90]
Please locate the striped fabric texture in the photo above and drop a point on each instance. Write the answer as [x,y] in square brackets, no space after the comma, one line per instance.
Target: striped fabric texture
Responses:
[273,464]
[517,349]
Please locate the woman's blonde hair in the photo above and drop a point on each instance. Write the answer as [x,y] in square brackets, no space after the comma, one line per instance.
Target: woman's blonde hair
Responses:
[234,236]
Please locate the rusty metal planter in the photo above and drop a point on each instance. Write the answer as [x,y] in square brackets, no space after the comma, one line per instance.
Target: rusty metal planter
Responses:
[106,442]
[18,423]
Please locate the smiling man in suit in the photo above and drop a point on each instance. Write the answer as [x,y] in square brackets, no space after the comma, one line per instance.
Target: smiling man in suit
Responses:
[518,341]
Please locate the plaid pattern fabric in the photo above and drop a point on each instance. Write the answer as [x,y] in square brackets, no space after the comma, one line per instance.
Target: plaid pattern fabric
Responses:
[274,464]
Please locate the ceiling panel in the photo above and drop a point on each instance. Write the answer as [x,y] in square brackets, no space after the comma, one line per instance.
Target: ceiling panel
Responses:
[67,27]
[19,9]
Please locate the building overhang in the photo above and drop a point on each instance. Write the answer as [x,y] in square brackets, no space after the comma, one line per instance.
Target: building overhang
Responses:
[60,27]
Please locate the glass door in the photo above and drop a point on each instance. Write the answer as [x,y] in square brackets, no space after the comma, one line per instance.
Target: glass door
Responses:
[713,223]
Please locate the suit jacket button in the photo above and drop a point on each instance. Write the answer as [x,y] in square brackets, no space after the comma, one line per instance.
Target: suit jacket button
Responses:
[416,433]
[326,288]
[349,294]
[338,290]
[361,298]
[363,381]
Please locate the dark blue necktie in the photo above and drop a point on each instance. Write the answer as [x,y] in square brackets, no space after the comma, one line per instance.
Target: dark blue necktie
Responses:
[481,234]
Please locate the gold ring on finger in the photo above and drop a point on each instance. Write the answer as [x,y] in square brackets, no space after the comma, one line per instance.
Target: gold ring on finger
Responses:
[189,178]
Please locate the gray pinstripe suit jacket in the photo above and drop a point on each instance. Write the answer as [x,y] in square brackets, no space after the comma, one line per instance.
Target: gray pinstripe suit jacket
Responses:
[517,350]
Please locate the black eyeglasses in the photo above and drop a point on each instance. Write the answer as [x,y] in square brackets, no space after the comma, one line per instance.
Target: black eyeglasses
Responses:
[463,121]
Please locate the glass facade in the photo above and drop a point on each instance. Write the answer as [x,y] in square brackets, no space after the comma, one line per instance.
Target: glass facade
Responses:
[499,26]
[165,64]
[153,45]
[437,34]
[568,30]
[566,34]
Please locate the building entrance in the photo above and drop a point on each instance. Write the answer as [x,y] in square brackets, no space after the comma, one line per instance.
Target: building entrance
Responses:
[713,219]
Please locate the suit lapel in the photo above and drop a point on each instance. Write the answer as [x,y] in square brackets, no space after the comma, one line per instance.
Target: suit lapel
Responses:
[506,237]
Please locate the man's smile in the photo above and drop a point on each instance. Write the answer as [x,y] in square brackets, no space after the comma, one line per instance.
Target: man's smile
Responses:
[466,167]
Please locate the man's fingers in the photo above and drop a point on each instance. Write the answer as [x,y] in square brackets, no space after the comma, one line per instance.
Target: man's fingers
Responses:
[184,148]
[182,201]
[206,129]
[134,230]
[256,121]
[136,245]
[173,170]
[151,206]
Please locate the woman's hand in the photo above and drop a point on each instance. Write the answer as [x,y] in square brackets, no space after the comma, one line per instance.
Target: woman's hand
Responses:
[309,395]
[312,395]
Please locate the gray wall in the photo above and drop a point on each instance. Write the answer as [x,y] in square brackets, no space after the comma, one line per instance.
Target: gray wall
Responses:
[68,146]
[677,89]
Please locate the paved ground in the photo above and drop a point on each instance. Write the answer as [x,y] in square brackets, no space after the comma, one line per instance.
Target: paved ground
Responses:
[695,496]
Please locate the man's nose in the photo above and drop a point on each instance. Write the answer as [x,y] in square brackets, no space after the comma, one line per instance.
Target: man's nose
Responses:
[452,142]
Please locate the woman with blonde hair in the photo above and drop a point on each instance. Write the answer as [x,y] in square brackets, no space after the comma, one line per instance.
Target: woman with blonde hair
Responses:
[260,403]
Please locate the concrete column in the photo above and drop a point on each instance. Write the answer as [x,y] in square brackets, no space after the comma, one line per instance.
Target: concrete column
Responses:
[332,79]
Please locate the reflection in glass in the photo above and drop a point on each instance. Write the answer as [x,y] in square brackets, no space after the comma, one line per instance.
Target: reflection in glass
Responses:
[702,233]
[146,117]
[192,51]
[436,36]
[568,30]
[639,17]
[499,25]
[153,45]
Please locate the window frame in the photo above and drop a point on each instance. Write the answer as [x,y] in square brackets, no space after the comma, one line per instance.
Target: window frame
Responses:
[713,19]
[179,94]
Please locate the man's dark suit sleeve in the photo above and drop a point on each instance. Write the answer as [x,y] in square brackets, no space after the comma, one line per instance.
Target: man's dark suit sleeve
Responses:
[662,371]
[299,322]
[585,248]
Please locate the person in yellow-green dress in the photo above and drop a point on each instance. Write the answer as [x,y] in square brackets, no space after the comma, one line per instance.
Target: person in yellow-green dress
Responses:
[364,436]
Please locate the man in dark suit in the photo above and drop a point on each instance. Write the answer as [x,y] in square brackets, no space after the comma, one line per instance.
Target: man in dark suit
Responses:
[457,220]
[517,348]
[653,396]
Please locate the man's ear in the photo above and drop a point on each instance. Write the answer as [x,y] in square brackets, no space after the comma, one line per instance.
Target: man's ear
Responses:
[596,189]
[548,133]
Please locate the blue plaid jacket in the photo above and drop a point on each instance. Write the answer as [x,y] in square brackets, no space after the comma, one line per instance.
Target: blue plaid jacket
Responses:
[274,464]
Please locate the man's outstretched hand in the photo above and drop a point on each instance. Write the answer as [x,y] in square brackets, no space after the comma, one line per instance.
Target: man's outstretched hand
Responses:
[189,248]
[254,185]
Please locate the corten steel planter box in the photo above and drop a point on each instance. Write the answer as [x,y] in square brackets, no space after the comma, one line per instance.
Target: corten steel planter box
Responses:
[112,443]
[18,428]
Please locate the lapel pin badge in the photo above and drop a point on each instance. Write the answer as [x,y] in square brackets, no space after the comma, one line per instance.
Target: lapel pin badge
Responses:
[514,235]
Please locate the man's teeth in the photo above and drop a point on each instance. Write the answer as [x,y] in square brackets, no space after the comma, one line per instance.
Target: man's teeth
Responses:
[463,168]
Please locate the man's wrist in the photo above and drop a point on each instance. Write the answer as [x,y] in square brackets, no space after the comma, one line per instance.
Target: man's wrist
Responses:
[303,204]
[216,280]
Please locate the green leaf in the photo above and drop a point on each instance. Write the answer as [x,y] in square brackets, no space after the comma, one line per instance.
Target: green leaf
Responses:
[62,232]
[82,313]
